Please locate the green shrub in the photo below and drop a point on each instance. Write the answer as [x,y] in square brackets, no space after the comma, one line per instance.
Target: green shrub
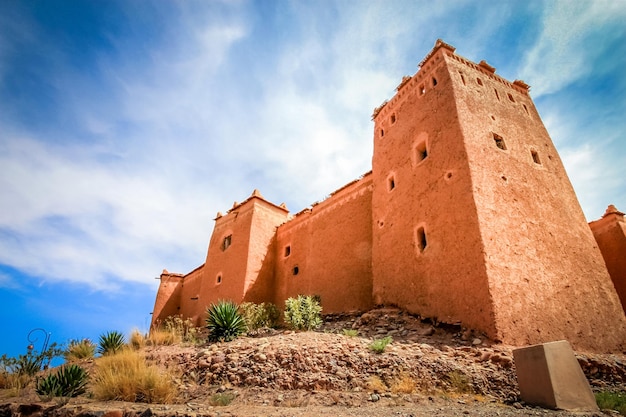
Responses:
[612,401]
[350,332]
[68,381]
[459,382]
[111,343]
[379,345]
[79,350]
[30,363]
[224,321]
[261,315]
[221,399]
[303,312]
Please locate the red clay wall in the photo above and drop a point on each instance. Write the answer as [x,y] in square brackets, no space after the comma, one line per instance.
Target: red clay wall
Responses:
[330,245]
[167,301]
[540,255]
[189,296]
[447,278]
[232,271]
[610,233]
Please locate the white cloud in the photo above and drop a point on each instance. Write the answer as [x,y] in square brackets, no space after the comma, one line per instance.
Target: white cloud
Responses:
[574,33]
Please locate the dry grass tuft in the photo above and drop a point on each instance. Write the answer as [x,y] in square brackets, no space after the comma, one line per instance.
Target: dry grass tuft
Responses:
[403,384]
[127,377]
[137,339]
[162,337]
[374,383]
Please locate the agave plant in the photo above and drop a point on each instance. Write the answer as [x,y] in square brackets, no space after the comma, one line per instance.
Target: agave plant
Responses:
[68,381]
[224,321]
[111,342]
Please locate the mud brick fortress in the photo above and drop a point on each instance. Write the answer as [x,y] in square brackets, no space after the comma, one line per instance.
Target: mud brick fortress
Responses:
[466,217]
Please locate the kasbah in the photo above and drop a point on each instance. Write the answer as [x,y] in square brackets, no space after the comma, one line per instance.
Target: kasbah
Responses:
[467,217]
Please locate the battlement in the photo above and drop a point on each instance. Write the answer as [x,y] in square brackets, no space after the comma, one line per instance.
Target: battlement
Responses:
[419,82]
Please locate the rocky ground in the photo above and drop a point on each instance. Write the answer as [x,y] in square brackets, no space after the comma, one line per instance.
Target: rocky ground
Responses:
[427,370]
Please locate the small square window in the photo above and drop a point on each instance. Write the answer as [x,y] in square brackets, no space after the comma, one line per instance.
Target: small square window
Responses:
[535,156]
[393,118]
[499,141]
[420,152]
[227,242]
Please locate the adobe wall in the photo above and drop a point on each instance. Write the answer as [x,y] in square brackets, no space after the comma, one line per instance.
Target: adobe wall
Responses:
[610,234]
[540,254]
[330,245]
[167,302]
[428,257]
[190,306]
[232,269]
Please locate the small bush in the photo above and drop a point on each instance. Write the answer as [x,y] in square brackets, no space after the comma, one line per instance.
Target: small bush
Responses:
[350,332]
[111,343]
[79,350]
[459,382]
[137,339]
[221,399]
[612,401]
[174,330]
[127,377]
[224,321]
[261,315]
[68,381]
[379,345]
[303,312]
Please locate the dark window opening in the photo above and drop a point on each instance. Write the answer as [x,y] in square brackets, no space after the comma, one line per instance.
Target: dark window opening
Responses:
[382,133]
[479,81]
[434,81]
[391,183]
[422,89]
[295,270]
[287,250]
[499,142]
[227,242]
[421,152]
[511,98]
[497,95]
[421,239]
[525,108]
[219,279]
[535,156]
[393,118]
[462,78]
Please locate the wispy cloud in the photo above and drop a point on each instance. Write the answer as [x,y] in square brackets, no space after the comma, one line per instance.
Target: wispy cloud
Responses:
[573,36]
[140,144]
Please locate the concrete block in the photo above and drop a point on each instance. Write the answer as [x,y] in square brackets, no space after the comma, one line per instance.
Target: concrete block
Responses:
[549,376]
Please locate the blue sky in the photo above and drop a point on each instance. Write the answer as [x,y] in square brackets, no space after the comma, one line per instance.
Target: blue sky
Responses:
[125,126]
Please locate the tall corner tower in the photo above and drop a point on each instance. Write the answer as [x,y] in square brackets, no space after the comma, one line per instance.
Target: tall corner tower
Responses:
[474,218]
[239,262]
